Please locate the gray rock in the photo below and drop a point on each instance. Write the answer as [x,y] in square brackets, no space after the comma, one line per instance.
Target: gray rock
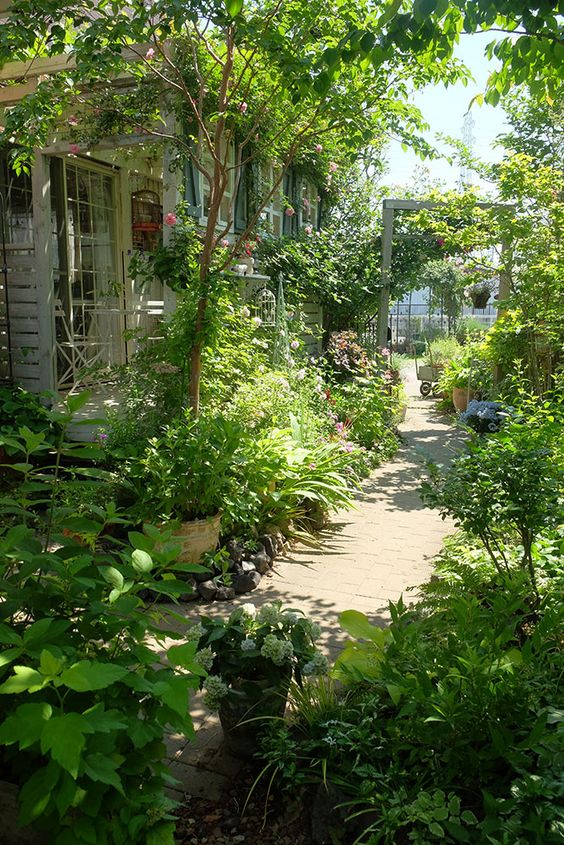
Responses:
[270,546]
[262,562]
[248,566]
[200,577]
[224,593]
[207,590]
[246,582]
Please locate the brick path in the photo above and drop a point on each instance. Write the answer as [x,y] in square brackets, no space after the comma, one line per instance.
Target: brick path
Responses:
[367,557]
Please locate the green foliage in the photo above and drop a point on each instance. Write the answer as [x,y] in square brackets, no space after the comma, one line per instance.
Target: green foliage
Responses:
[448,727]
[20,408]
[509,484]
[366,406]
[85,703]
[470,368]
[254,650]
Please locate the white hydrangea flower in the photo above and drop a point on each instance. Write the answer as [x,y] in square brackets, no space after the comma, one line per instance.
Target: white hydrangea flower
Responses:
[249,609]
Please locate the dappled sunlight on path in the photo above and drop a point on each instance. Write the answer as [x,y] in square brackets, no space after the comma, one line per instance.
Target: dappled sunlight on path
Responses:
[365,558]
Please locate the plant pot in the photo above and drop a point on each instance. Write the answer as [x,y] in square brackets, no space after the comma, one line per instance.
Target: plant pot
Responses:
[241,717]
[480,300]
[197,537]
[460,397]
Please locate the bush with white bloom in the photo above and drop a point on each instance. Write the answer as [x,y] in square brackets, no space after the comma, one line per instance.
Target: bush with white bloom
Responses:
[257,650]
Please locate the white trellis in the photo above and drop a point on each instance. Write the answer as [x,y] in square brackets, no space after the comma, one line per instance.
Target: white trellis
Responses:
[265,303]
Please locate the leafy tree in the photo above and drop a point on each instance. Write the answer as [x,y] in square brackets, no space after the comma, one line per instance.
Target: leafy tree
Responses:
[272,82]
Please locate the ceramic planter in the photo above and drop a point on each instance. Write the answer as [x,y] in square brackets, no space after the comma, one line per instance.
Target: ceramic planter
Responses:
[197,537]
[460,397]
[241,717]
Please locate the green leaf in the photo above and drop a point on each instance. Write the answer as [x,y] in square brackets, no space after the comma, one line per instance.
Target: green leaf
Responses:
[468,817]
[163,834]
[35,794]
[331,56]
[101,768]
[76,401]
[174,693]
[49,664]
[357,625]
[104,721]
[25,726]
[63,737]
[24,679]
[436,829]
[182,655]
[141,561]
[233,7]
[86,675]
[8,656]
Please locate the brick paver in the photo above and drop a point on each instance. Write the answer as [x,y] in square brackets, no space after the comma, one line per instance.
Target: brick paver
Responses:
[367,557]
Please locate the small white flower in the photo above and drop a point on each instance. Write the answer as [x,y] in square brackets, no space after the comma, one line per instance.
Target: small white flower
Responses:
[245,311]
[249,610]
[300,375]
[257,321]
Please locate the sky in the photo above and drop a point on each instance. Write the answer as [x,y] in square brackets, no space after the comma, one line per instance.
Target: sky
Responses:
[444,109]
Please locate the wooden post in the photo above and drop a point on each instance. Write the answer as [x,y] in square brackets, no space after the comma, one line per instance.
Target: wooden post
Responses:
[384,307]
[503,294]
[41,199]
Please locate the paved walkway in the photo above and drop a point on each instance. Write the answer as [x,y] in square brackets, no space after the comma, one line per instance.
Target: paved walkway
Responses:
[367,557]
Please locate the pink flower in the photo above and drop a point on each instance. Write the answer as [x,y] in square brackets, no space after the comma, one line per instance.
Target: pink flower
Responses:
[295,344]
[318,148]
[243,107]
[170,219]
[224,243]
[245,311]
[257,321]
[258,239]
[333,166]
[300,375]
[339,427]
[306,202]
[150,54]
[312,466]
[308,230]
[290,212]
[74,148]
[73,120]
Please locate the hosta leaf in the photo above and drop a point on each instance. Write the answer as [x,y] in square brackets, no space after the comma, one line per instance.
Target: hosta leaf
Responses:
[141,561]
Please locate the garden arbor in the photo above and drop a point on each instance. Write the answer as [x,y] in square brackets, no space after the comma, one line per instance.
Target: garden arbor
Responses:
[389,209]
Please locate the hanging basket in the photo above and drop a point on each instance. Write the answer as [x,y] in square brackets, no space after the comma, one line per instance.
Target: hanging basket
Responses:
[481,299]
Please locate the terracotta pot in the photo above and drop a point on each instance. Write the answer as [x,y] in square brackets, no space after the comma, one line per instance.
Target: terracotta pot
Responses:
[197,537]
[460,397]
[241,718]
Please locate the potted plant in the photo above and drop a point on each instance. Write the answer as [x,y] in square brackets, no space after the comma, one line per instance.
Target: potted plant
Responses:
[466,376]
[184,476]
[251,658]
[479,292]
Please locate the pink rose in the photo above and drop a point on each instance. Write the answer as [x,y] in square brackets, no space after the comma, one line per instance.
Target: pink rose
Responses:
[308,230]
[150,54]
[243,107]
[318,148]
[289,212]
[224,243]
[257,321]
[333,166]
[74,148]
[295,344]
[73,120]
[170,219]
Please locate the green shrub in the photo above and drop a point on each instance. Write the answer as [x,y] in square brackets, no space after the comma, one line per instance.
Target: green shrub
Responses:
[447,728]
